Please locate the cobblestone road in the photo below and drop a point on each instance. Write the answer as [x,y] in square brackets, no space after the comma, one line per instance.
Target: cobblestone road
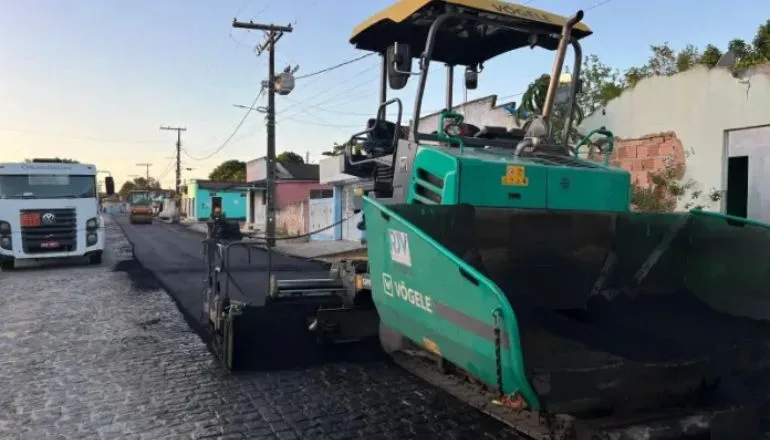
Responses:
[90,353]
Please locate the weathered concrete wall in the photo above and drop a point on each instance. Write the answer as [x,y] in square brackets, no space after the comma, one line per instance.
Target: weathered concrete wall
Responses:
[697,108]
[479,112]
[291,192]
[293,219]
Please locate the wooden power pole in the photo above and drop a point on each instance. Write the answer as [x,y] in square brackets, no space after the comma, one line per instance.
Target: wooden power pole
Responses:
[179,131]
[147,170]
[273,33]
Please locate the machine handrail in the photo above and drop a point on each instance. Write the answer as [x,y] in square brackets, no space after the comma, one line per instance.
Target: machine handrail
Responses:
[441,132]
[610,143]
[380,117]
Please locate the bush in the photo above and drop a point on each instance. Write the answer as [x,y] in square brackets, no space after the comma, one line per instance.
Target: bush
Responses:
[667,188]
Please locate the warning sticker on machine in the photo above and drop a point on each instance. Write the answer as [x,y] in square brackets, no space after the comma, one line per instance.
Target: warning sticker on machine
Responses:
[399,289]
[399,247]
[515,175]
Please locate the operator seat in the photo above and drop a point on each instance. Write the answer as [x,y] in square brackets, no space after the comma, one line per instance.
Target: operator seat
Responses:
[379,141]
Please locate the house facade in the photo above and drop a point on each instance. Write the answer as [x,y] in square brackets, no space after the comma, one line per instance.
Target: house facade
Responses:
[300,198]
[200,197]
[713,123]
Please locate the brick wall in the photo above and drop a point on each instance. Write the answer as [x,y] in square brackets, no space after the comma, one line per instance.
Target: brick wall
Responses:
[647,154]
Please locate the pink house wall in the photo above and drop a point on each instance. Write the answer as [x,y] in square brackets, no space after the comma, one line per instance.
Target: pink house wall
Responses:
[293,192]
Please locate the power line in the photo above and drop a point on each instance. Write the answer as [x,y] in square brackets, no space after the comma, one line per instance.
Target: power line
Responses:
[235,131]
[80,138]
[334,67]
[330,89]
[166,169]
[322,123]
[326,110]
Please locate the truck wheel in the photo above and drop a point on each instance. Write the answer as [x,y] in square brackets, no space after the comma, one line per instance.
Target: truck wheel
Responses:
[6,265]
[95,258]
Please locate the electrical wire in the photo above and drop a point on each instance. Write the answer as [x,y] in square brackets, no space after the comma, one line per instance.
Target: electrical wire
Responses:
[322,123]
[334,67]
[81,138]
[326,110]
[328,99]
[317,105]
[235,131]
[164,173]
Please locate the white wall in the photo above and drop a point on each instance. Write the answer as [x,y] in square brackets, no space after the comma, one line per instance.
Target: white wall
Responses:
[330,170]
[700,106]
[322,216]
[754,143]
[350,230]
[479,112]
[256,207]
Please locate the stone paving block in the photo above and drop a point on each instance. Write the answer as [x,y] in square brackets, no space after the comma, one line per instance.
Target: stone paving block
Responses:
[86,353]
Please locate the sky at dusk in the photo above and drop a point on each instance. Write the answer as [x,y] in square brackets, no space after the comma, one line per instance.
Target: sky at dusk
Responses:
[94,80]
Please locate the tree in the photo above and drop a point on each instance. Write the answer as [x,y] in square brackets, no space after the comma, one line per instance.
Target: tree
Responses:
[710,56]
[761,43]
[601,84]
[290,157]
[686,58]
[229,171]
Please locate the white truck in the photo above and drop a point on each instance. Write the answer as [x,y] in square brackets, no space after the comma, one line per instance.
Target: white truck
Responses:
[49,208]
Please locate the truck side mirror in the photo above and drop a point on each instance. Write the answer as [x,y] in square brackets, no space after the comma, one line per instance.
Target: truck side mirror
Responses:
[399,61]
[471,78]
[109,185]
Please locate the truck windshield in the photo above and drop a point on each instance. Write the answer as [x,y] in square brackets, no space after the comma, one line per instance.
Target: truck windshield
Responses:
[142,198]
[41,186]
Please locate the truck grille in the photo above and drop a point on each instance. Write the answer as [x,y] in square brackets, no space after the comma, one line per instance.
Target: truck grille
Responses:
[58,235]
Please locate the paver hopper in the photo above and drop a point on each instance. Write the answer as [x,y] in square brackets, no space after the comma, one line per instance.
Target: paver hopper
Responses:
[509,271]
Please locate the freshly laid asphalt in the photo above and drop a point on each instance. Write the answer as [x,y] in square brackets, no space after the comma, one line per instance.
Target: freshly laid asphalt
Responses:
[174,254]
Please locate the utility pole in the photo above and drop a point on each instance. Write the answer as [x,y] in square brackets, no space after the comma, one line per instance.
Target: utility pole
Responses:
[179,131]
[273,33]
[147,170]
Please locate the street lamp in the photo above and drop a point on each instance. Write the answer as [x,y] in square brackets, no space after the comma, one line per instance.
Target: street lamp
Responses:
[259,109]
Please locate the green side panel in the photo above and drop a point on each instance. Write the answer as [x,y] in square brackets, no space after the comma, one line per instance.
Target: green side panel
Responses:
[434,177]
[481,184]
[477,177]
[423,290]
[589,189]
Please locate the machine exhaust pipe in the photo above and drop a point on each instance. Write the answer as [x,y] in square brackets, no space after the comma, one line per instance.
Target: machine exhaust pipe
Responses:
[558,63]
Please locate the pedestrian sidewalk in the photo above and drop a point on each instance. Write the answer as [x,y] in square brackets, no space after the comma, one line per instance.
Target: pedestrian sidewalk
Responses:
[323,250]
